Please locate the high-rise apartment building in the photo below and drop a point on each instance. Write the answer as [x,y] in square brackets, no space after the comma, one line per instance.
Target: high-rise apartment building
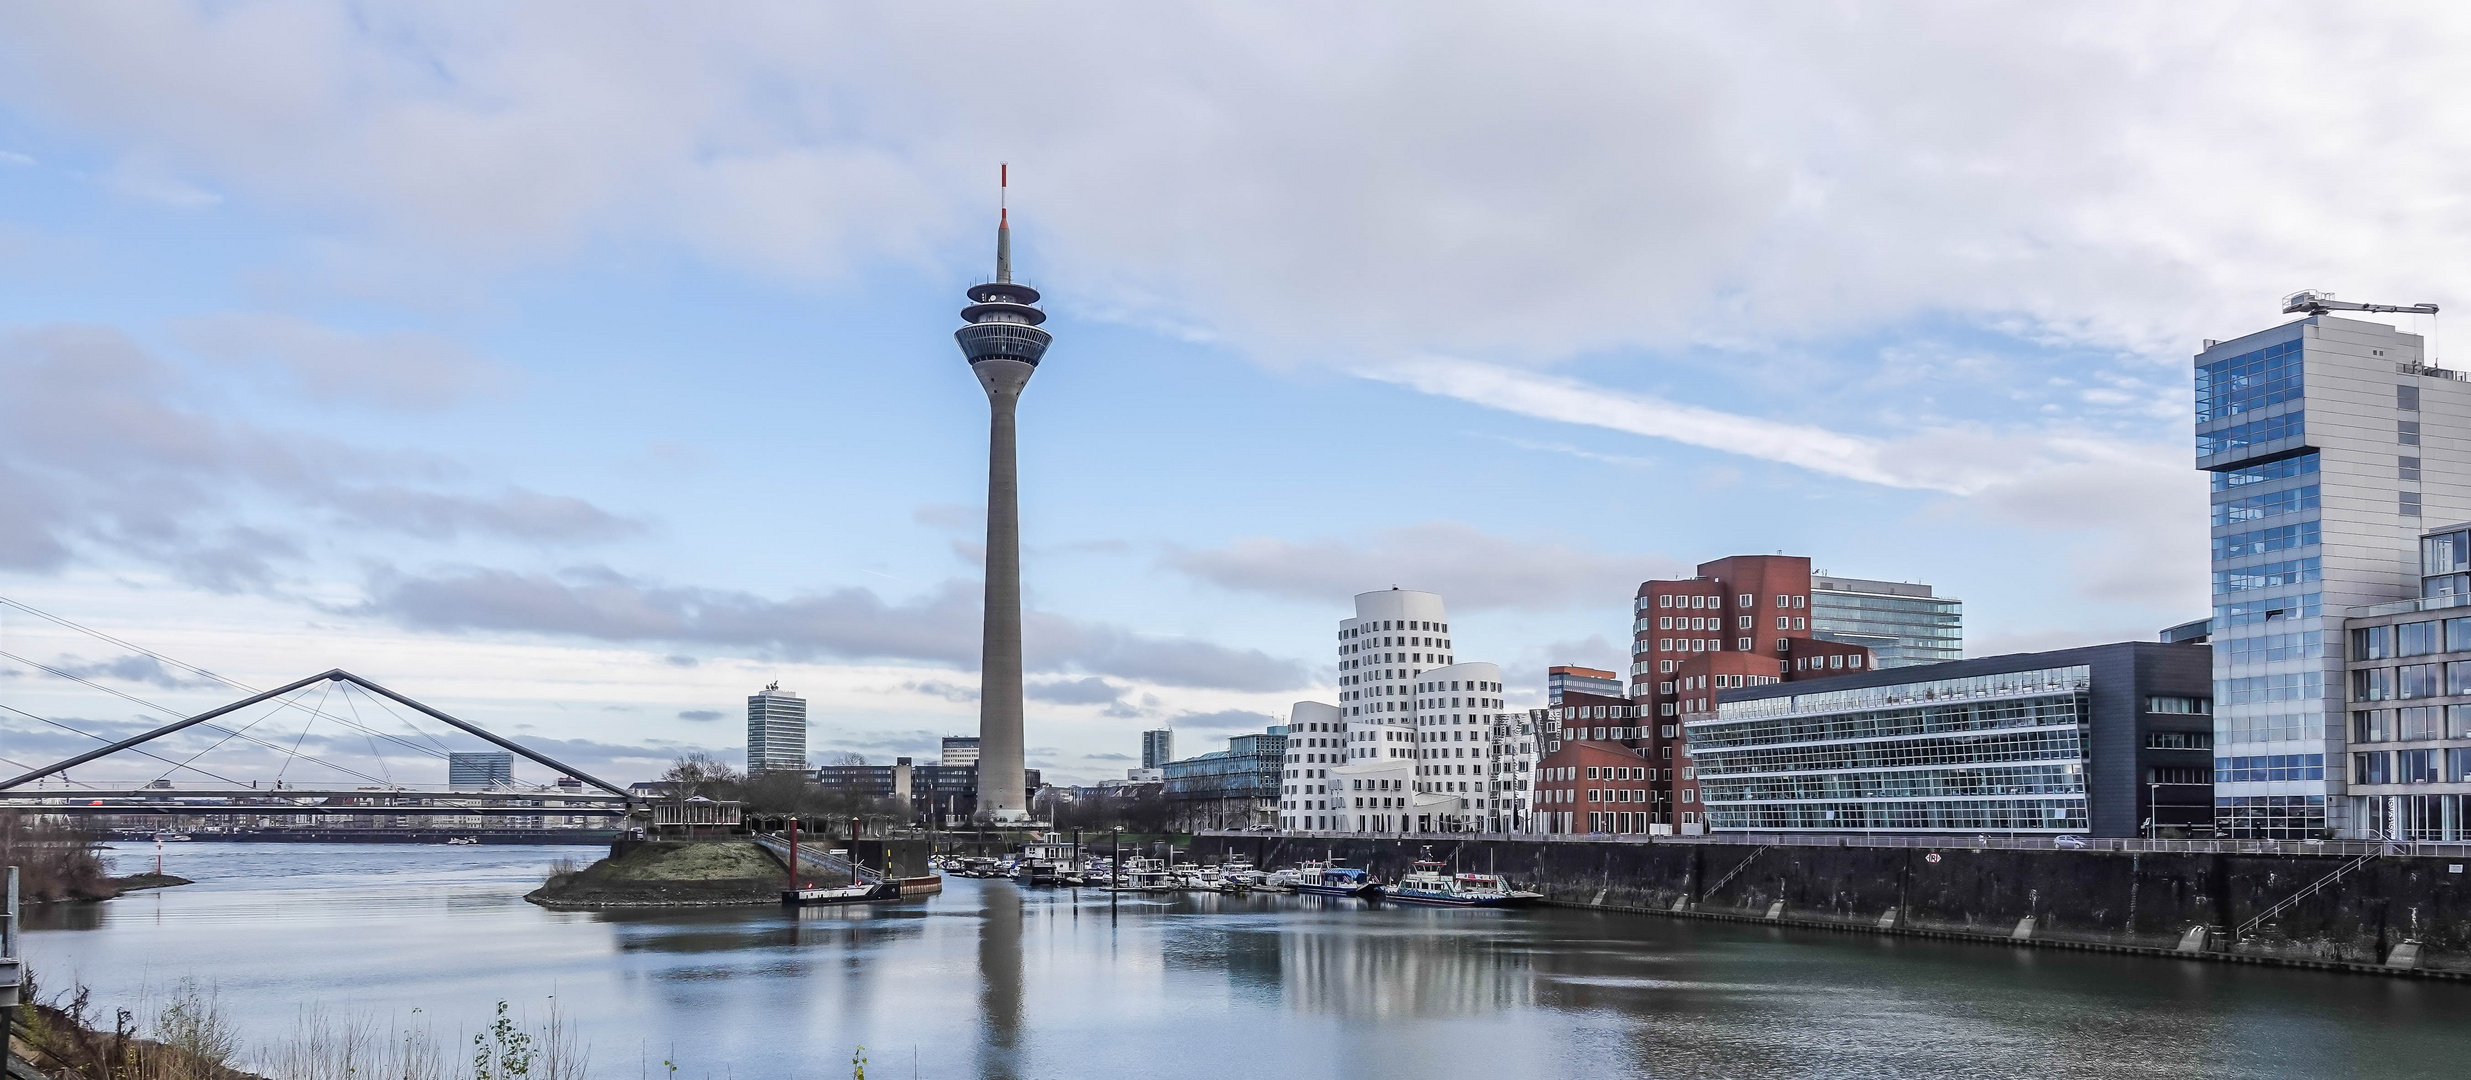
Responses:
[1582,680]
[1419,741]
[1157,748]
[479,770]
[776,730]
[1900,622]
[2330,443]
[959,750]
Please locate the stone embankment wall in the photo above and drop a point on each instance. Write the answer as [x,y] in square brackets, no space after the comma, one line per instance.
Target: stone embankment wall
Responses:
[2096,898]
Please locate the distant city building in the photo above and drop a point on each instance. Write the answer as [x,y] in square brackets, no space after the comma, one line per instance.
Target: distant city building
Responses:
[1420,742]
[1583,680]
[480,770]
[2192,632]
[2330,445]
[1145,776]
[1157,748]
[945,794]
[960,750]
[1900,622]
[2108,740]
[1235,788]
[776,730]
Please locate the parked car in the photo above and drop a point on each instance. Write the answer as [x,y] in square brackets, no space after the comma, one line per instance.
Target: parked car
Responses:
[2068,841]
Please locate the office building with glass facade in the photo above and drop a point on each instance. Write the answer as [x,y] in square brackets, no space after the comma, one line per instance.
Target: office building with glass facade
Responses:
[1234,788]
[1901,622]
[2408,676]
[776,730]
[2109,740]
[480,770]
[1157,748]
[1567,679]
[2329,445]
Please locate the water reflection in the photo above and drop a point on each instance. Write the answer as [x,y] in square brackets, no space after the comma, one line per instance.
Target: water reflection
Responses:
[990,981]
[999,982]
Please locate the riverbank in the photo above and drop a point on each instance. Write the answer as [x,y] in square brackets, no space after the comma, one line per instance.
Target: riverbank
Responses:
[668,874]
[2400,914]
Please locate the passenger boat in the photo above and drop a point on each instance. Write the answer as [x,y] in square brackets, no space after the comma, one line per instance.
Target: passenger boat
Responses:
[860,893]
[1431,886]
[1143,875]
[1337,881]
[462,841]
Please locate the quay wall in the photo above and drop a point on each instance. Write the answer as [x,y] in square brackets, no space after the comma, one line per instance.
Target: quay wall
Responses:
[2132,900]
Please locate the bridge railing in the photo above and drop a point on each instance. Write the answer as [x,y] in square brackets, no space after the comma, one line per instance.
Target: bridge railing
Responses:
[821,857]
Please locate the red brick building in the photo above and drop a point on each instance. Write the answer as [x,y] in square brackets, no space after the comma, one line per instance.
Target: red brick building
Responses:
[1595,787]
[1742,621]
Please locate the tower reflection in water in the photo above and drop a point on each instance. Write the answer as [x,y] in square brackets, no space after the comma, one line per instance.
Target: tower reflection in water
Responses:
[1424,964]
[999,983]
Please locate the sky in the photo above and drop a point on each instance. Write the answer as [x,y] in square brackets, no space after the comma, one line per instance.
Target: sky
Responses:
[579,369]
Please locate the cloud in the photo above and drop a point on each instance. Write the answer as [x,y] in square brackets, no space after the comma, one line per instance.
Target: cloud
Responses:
[699,715]
[1109,757]
[941,689]
[1089,691]
[394,370]
[100,446]
[850,623]
[1476,570]
[1223,720]
[1600,176]
[135,668]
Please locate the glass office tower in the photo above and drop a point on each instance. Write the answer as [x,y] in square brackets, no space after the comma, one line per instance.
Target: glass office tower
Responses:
[2329,445]
[1900,621]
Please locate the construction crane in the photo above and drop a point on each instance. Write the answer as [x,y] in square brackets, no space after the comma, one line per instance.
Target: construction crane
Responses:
[2315,302]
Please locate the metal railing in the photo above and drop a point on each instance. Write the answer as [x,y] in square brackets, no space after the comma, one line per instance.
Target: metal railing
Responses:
[2288,902]
[1932,841]
[824,858]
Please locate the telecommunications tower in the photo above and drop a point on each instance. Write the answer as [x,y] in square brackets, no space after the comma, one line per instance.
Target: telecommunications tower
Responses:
[1003,344]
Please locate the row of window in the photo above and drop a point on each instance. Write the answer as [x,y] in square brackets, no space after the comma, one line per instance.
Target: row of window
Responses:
[2265,541]
[2451,766]
[2256,433]
[2270,575]
[2308,605]
[1987,815]
[2271,504]
[2411,639]
[2266,648]
[2411,681]
[2268,768]
[1942,719]
[1565,796]
[2284,469]
[2259,689]
[2411,724]
[2038,779]
[1380,625]
[2269,817]
[1672,600]
[2061,745]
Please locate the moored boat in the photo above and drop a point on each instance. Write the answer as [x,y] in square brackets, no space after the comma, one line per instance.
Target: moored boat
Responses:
[1430,885]
[1337,881]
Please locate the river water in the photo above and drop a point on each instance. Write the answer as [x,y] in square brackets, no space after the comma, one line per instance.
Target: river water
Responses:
[992,981]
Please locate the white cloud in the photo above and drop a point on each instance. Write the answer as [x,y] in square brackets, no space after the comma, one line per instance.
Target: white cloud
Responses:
[1475,570]
[1517,184]
[402,370]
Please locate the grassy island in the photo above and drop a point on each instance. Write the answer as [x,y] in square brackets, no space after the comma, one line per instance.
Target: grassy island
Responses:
[711,873]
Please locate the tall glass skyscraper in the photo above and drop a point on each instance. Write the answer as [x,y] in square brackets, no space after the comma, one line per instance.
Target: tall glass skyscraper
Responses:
[2329,445]
[776,730]
[1901,622]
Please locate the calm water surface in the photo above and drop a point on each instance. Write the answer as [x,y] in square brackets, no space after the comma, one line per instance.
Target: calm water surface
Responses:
[991,981]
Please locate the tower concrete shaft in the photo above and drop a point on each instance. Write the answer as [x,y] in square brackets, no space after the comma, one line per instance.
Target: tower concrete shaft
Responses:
[1001,770]
[1003,344]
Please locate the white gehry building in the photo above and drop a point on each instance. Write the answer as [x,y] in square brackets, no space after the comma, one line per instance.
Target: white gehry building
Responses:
[1418,742]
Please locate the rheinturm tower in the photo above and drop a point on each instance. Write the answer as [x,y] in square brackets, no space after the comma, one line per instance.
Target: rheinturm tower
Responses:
[1003,344]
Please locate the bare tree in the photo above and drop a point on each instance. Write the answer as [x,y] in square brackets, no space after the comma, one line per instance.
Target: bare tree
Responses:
[699,773]
[844,757]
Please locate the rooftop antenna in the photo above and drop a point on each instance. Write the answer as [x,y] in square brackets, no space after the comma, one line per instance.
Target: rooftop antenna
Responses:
[1003,223]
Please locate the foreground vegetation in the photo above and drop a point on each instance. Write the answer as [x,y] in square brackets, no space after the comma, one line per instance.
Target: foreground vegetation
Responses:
[183,1034]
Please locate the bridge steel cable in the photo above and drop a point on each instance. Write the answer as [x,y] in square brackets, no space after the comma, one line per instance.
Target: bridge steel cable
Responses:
[39,773]
[193,669]
[253,740]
